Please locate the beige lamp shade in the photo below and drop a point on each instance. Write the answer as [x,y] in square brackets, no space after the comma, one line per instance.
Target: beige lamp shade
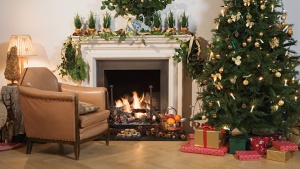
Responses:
[23,44]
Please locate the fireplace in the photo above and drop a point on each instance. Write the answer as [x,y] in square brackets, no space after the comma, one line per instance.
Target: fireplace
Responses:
[105,58]
[122,77]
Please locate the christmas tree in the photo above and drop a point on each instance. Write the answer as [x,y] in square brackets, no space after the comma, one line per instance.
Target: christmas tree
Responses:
[249,81]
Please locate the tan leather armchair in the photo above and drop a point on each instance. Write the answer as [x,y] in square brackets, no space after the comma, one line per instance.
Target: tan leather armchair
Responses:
[50,110]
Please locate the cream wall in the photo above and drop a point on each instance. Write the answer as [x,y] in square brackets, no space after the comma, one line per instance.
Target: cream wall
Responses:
[49,22]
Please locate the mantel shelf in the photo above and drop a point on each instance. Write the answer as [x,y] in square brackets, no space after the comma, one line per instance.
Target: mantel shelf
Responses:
[149,39]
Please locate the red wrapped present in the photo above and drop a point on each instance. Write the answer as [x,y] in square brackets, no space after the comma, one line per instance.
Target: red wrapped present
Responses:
[262,143]
[247,155]
[190,147]
[285,145]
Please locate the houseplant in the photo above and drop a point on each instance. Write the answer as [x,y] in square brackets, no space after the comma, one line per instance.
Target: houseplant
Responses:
[77,24]
[157,23]
[184,23]
[72,63]
[136,8]
[91,23]
[106,22]
[171,22]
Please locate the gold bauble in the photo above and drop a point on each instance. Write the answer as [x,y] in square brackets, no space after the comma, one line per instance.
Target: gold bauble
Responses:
[261,33]
[244,106]
[210,104]
[226,40]
[263,7]
[277,74]
[245,82]
[267,54]
[221,70]
[229,46]
[203,117]
[229,20]
[249,39]
[244,44]
[290,31]
[280,102]
[218,56]
[142,1]
[236,34]
[261,2]
[197,124]
[256,44]
[283,17]
[248,16]
[214,115]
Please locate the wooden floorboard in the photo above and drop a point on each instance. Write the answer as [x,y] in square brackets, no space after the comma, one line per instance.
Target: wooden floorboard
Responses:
[129,154]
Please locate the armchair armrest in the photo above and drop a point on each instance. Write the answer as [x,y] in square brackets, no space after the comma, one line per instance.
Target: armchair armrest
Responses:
[49,114]
[94,95]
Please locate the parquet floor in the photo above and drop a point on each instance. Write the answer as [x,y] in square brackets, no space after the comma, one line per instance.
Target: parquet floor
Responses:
[129,155]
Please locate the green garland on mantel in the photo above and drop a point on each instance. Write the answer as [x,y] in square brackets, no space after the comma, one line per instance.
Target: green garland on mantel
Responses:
[74,66]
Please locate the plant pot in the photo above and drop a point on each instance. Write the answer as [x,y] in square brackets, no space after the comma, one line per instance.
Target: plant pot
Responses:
[78,31]
[106,30]
[173,30]
[91,31]
[157,29]
[184,30]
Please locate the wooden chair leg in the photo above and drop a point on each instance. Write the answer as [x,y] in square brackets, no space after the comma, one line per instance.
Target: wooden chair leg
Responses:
[107,137]
[29,146]
[77,150]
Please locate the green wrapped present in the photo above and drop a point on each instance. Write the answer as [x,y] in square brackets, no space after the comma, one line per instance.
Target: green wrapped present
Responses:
[239,142]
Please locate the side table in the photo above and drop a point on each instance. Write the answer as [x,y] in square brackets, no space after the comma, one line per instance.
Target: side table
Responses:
[11,93]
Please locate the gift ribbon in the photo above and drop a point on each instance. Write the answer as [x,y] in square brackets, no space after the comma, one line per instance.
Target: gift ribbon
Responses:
[205,129]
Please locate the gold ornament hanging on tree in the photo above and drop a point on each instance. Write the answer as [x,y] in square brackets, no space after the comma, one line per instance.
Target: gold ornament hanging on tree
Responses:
[12,70]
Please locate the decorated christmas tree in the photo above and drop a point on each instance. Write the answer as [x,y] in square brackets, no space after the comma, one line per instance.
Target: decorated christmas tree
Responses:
[249,81]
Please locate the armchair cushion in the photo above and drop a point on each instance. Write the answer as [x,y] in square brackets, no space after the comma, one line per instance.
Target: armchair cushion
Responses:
[92,118]
[85,108]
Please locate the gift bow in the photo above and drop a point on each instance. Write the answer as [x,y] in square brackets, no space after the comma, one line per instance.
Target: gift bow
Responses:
[216,76]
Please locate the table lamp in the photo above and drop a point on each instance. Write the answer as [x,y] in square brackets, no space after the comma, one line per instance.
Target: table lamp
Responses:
[24,47]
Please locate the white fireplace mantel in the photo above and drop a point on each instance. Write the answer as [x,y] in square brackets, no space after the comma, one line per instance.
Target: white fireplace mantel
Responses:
[158,47]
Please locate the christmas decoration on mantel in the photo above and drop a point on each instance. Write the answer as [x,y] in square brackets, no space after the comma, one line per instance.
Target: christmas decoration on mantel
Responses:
[249,81]
[136,7]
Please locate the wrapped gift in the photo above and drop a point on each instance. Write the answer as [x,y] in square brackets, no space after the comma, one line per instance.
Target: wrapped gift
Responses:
[247,155]
[262,143]
[276,155]
[239,142]
[190,147]
[208,137]
[285,145]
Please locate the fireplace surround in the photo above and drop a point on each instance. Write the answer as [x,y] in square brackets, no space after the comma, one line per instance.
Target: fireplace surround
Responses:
[137,56]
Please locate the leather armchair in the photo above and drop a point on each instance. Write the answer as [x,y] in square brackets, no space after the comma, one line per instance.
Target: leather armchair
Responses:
[50,110]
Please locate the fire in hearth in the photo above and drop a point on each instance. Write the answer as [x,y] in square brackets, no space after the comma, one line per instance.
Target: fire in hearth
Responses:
[132,110]
[142,102]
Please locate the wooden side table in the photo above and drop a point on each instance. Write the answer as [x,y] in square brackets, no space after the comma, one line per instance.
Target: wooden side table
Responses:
[11,92]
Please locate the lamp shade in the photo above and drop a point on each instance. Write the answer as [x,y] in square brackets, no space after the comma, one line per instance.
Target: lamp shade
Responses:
[23,44]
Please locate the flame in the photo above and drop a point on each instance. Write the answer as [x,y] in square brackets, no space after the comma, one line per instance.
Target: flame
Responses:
[136,103]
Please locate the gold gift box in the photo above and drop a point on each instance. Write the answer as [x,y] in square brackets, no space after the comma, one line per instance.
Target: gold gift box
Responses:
[213,138]
[276,155]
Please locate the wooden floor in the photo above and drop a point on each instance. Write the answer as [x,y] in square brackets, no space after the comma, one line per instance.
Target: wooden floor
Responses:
[129,155]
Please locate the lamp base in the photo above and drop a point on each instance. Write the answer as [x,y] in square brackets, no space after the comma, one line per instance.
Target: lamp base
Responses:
[12,83]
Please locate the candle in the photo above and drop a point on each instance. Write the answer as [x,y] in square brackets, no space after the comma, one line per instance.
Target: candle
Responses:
[285,82]
[231,94]
[218,103]
[296,98]
[252,107]
[272,6]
